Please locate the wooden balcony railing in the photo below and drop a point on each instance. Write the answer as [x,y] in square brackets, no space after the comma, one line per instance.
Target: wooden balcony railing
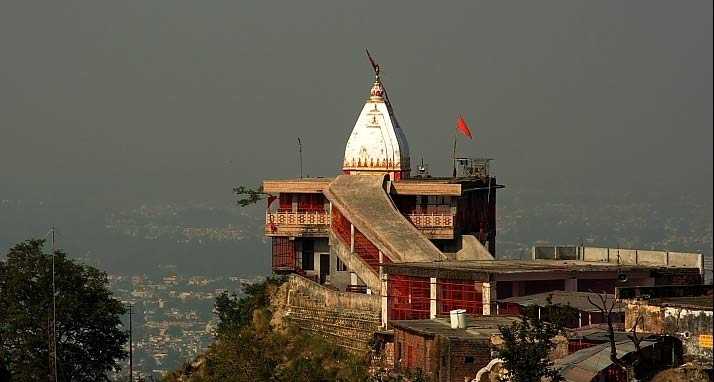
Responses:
[435,220]
[297,218]
[296,223]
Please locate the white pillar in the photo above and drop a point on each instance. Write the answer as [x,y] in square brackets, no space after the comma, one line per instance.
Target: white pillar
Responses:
[580,319]
[432,297]
[385,302]
[488,295]
[352,237]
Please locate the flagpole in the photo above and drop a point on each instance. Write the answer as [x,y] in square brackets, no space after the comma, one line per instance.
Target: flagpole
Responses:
[453,157]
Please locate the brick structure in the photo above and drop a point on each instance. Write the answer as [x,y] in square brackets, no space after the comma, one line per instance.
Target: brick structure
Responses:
[443,353]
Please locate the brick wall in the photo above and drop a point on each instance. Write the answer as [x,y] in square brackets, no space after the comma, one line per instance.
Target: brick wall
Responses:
[467,357]
[412,351]
[441,359]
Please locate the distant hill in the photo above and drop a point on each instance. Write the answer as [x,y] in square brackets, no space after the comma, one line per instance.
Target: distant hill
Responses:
[198,238]
[213,238]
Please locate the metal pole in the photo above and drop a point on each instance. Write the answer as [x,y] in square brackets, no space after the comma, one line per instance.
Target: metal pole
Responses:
[300,155]
[131,355]
[453,157]
[54,313]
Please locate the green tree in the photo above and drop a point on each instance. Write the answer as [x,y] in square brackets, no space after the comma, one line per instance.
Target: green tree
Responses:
[236,311]
[528,342]
[247,196]
[89,339]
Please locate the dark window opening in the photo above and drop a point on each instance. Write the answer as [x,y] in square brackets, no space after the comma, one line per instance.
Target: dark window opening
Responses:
[308,255]
[340,265]
[469,359]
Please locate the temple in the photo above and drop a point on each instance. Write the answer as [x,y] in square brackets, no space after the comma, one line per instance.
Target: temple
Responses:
[340,230]
[379,245]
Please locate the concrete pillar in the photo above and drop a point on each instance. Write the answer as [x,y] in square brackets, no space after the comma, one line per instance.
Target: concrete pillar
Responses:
[571,285]
[489,296]
[432,297]
[381,260]
[385,301]
[352,237]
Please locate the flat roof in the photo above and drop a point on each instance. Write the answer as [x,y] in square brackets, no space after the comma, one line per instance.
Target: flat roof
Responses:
[477,327]
[410,186]
[505,270]
[577,300]
[297,185]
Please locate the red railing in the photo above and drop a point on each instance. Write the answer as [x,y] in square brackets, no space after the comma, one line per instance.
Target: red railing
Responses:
[458,294]
[408,297]
[284,255]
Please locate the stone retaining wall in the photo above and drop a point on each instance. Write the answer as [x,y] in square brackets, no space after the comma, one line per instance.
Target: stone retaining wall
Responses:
[346,319]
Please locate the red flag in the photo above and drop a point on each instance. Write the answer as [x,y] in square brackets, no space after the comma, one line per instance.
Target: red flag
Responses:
[463,127]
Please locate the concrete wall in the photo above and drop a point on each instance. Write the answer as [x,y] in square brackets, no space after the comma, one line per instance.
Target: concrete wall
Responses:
[625,256]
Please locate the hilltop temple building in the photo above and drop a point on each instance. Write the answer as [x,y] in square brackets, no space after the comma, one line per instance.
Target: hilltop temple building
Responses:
[379,244]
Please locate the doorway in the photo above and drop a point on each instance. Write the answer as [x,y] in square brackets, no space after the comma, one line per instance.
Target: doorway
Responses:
[324,266]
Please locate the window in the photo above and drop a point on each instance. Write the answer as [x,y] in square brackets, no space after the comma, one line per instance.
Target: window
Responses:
[308,255]
[469,359]
[341,267]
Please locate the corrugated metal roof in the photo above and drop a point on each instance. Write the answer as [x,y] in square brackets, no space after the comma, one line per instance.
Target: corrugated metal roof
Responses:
[585,364]
[577,300]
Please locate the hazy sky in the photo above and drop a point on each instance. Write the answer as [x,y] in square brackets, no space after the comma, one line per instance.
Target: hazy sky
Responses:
[184,99]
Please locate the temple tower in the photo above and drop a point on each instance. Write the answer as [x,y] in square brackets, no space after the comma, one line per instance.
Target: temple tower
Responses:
[377,143]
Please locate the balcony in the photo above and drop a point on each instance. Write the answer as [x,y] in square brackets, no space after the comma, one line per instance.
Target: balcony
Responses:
[298,224]
[434,225]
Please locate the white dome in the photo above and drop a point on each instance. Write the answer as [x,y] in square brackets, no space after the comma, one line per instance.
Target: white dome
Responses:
[377,143]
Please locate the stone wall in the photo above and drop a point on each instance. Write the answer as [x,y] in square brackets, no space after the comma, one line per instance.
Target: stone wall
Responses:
[686,324]
[347,319]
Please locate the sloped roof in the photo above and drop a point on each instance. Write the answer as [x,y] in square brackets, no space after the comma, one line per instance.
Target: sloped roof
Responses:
[577,300]
[363,200]
[585,364]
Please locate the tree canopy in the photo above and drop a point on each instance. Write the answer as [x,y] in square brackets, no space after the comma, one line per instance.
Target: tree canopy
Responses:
[527,344]
[90,341]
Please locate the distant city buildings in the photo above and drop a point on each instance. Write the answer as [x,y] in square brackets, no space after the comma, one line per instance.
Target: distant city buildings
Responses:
[173,316]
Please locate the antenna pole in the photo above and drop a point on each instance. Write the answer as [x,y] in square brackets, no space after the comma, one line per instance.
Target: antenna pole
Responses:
[300,155]
[131,355]
[53,327]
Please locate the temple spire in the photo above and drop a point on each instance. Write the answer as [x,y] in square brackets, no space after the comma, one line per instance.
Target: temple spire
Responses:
[377,143]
